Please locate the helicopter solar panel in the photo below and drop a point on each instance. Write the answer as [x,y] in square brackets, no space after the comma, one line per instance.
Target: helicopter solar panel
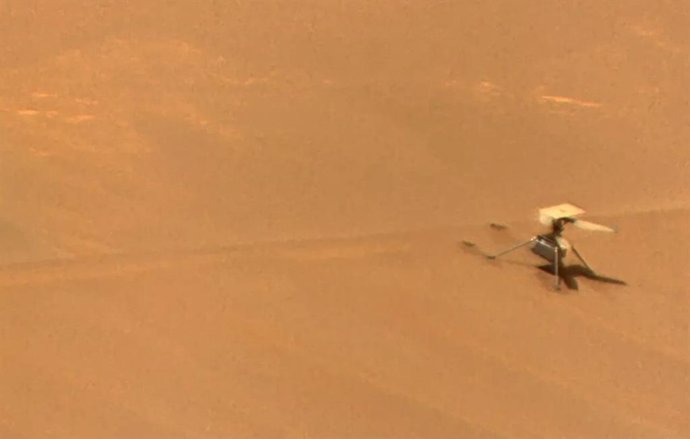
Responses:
[560,211]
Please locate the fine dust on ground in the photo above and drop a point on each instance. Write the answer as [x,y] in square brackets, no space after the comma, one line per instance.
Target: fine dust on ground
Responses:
[268,219]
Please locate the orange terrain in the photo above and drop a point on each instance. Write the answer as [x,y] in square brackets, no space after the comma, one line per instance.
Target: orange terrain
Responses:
[266,219]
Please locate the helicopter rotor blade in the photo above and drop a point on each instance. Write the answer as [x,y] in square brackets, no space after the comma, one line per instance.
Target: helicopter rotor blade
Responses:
[588,225]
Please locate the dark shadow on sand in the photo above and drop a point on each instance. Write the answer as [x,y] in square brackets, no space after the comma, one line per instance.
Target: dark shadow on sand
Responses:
[570,273]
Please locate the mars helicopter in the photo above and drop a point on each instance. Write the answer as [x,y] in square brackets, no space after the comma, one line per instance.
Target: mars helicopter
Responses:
[552,246]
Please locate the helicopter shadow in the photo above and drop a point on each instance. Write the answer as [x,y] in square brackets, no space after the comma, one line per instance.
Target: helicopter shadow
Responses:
[570,273]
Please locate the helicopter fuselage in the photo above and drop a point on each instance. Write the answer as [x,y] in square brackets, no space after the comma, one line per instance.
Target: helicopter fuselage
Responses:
[545,246]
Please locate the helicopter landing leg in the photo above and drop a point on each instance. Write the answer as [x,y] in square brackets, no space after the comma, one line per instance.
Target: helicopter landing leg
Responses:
[522,244]
[582,259]
[556,263]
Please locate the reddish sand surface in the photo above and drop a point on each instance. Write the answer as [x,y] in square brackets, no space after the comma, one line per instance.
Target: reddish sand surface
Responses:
[245,219]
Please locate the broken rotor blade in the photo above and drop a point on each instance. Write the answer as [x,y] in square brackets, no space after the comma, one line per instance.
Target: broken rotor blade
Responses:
[588,225]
